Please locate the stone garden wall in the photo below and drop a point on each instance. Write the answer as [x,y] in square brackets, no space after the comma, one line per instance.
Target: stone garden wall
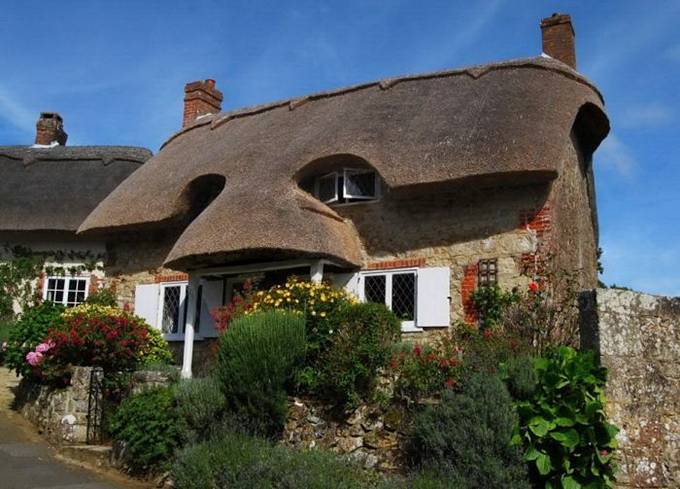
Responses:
[59,413]
[638,338]
[370,435]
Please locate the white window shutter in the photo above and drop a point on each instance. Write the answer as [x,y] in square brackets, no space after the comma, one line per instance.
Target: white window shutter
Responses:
[211,297]
[146,303]
[347,281]
[434,290]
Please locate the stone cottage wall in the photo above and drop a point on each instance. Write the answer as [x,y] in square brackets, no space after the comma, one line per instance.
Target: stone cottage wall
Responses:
[638,339]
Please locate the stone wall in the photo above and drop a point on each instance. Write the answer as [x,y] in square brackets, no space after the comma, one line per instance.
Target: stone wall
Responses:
[59,413]
[638,339]
[369,435]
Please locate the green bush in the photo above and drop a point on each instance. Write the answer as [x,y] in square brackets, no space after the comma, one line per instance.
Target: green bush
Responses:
[200,404]
[520,377]
[490,303]
[485,350]
[361,343]
[157,351]
[257,358]
[466,438]
[147,424]
[28,331]
[103,297]
[241,462]
[563,427]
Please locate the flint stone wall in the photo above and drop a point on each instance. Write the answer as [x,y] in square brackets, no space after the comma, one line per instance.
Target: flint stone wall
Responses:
[638,339]
[59,413]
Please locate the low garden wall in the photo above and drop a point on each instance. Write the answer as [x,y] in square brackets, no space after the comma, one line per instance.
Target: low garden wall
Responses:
[369,435]
[61,414]
[638,339]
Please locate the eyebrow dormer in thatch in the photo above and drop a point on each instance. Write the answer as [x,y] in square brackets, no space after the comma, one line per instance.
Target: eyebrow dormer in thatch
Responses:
[498,124]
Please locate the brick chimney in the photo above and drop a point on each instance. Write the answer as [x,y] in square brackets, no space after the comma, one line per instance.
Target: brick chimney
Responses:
[50,129]
[558,38]
[200,98]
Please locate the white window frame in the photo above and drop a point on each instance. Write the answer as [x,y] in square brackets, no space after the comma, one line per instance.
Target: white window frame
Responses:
[360,171]
[317,187]
[67,279]
[406,326]
[182,305]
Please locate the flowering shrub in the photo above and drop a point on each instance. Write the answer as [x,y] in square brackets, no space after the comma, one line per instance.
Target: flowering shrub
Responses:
[96,335]
[424,371]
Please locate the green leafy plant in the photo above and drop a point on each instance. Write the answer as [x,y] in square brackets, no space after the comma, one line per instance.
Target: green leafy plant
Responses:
[28,332]
[258,356]
[200,405]
[467,437]
[423,370]
[147,424]
[489,302]
[361,339]
[157,352]
[19,267]
[240,462]
[103,297]
[563,426]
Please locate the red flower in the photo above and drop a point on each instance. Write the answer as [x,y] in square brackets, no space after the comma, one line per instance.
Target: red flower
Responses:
[488,333]
[450,382]
[533,287]
[417,350]
[431,357]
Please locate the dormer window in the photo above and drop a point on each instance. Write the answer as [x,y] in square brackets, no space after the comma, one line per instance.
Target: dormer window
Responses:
[345,186]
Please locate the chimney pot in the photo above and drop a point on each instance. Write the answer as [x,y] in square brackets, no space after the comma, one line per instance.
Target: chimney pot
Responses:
[50,129]
[559,38]
[200,98]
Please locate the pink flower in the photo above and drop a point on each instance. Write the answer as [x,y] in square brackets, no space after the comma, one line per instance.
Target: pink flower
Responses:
[34,358]
[44,347]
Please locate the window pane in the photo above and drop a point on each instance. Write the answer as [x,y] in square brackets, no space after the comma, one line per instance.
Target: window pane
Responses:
[360,184]
[374,288]
[327,188]
[55,290]
[404,295]
[170,320]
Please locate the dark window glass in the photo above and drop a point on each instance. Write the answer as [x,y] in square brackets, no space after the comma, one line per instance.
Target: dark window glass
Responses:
[374,288]
[404,296]
[487,272]
[171,309]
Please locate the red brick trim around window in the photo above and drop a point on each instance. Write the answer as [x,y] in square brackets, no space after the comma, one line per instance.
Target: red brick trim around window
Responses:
[403,263]
[467,287]
[177,277]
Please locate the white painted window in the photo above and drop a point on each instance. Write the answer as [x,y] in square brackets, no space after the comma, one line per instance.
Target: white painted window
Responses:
[420,297]
[68,291]
[397,289]
[346,186]
[172,309]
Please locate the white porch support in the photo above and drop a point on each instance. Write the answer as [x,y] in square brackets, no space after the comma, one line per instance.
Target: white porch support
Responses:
[316,271]
[190,302]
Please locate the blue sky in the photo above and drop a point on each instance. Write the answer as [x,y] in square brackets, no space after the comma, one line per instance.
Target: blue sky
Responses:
[115,71]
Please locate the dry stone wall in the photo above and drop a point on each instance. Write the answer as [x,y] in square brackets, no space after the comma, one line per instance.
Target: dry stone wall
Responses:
[638,339]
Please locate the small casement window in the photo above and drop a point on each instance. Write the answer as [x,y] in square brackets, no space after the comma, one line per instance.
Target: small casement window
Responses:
[345,186]
[68,291]
[172,309]
[397,290]
[487,272]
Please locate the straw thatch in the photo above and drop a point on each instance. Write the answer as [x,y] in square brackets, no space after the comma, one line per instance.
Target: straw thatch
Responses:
[504,123]
[54,189]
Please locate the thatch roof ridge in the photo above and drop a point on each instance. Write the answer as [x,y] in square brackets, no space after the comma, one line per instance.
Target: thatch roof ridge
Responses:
[55,188]
[543,62]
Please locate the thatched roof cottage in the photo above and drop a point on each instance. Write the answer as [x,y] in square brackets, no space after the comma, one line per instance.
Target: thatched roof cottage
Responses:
[409,191]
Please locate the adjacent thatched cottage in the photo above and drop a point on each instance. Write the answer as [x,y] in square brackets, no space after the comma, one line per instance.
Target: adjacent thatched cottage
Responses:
[46,191]
[409,191]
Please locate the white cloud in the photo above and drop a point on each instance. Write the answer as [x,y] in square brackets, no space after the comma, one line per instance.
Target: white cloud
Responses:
[15,113]
[642,116]
[615,154]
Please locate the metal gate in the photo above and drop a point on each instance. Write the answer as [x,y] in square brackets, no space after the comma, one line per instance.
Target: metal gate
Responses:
[95,401]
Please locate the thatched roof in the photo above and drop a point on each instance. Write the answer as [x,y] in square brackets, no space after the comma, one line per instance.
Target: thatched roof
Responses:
[504,123]
[56,188]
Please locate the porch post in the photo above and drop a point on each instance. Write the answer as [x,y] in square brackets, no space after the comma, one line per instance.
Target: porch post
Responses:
[316,271]
[190,302]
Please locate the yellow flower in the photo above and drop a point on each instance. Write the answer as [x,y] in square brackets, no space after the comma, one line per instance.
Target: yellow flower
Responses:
[322,314]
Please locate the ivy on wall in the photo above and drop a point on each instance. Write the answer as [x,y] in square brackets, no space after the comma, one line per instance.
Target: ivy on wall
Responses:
[20,266]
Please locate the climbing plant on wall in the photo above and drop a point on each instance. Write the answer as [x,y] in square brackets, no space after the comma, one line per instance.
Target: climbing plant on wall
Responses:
[20,266]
